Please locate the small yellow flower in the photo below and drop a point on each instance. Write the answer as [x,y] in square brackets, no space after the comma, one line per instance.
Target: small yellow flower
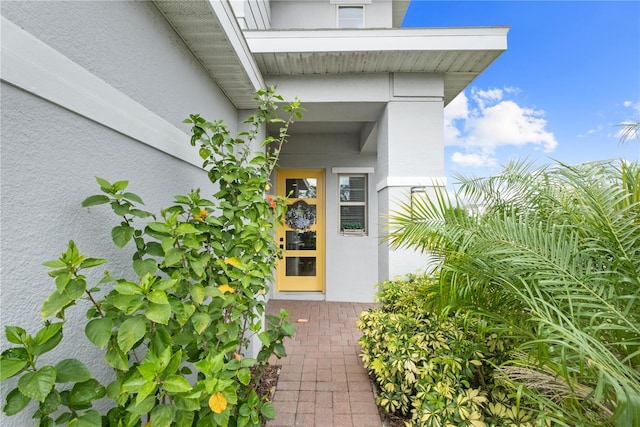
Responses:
[226,288]
[202,215]
[267,187]
[237,356]
[261,292]
[217,403]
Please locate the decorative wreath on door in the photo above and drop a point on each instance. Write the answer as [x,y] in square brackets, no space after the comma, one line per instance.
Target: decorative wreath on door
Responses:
[300,215]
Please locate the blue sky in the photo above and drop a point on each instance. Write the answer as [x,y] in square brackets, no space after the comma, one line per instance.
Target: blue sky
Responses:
[571,73]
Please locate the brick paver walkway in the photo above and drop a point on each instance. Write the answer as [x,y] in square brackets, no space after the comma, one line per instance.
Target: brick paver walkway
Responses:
[323,382]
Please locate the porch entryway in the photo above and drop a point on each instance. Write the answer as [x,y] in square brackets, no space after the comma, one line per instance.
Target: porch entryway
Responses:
[302,237]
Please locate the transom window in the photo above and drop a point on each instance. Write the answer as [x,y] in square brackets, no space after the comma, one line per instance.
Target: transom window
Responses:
[353,203]
[350,16]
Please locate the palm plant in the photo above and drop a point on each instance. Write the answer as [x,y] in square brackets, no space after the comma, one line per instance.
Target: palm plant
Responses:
[550,256]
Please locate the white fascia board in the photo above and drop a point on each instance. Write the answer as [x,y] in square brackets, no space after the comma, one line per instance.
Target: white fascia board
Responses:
[377,40]
[227,19]
[354,169]
[33,66]
[411,181]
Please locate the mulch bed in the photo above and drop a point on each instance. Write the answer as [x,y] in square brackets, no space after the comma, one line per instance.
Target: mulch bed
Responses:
[267,384]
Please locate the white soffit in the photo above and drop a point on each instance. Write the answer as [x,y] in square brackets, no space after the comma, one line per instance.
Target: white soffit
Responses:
[211,31]
[460,54]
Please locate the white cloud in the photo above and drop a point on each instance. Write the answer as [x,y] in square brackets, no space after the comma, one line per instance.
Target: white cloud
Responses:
[488,121]
[473,159]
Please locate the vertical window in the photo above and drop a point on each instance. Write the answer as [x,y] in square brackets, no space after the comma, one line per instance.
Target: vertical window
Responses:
[353,204]
[350,16]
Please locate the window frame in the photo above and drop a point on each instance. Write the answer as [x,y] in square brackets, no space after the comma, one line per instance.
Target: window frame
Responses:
[357,232]
[352,6]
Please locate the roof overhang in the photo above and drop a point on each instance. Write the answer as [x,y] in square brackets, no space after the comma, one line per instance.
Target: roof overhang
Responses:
[460,54]
[210,30]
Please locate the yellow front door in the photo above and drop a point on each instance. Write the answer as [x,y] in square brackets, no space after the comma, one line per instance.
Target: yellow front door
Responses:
[302,236]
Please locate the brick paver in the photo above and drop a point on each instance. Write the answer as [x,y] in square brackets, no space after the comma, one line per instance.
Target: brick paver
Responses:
[322,382]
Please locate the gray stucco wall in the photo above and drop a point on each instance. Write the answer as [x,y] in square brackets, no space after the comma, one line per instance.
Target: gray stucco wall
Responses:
[316,14]
[351,271]
[50,155]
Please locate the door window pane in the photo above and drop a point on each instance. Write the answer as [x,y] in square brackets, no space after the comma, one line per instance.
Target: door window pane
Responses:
[301,266]
[301,240]
[301,188]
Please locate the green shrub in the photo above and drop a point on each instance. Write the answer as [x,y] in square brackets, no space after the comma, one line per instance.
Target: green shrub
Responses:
[436,371]
[174,336]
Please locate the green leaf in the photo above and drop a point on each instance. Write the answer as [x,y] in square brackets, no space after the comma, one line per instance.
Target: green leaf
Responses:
[121,208]
[72,371]
[120,185]
[176,384]
[163,285]
[244,376]
[172,256]
[86,392]
[268,411]
[280,350]
[121,235]
[48,338]
[54,303]
[104,184]
[159,227]
[197,267]
[62,280]
[197,293]
[200,321]
[98,199]
[16,402]
[264,338]
[158,297]
[204,153]
[75,288]
[10,367]
[129,304]
[132,197]
[128,288]
[37,385]
[116,358]
[51,403]
[162,415]
[146,389]
[92,262]
[15,334]
[146,266]
[131,331]
[91,418]
[185,418]
[143,407]
[56,263]
[154,249]
[158,313]
[186,228]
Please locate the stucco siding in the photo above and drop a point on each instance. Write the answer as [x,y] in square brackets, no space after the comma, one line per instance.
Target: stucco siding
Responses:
[316,14]
[131,47]
[51,155]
